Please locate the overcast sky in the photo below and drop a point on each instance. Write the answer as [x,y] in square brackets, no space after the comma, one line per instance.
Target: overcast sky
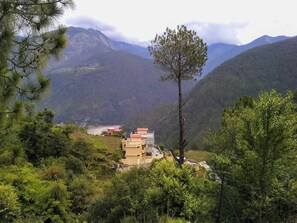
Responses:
[227,21]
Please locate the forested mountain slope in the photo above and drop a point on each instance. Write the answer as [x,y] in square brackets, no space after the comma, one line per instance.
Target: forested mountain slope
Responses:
[107,89]
[272,66]
[102,81]
[98,82]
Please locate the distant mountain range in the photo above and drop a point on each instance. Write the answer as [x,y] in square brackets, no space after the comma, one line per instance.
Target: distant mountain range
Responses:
[101,81]
[271,66]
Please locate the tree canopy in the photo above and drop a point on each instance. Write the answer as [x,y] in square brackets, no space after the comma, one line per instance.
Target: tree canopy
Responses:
[180,53]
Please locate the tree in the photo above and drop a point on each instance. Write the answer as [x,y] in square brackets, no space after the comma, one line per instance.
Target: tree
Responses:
[26,46]
[258,138]
[41,138]
[181,54]
[145,194]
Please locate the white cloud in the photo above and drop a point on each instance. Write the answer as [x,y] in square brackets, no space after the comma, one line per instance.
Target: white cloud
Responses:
[229,21]
[106,29]
[209,32]
[217,33]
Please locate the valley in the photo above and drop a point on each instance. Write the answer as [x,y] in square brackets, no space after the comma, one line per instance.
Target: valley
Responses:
[117,83]
[190,127]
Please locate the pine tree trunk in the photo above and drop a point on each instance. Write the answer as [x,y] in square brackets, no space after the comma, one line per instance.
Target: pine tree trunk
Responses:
[181,125]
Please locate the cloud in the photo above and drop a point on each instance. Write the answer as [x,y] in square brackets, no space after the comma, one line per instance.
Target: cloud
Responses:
[108,30]
[209,32]
[217,33]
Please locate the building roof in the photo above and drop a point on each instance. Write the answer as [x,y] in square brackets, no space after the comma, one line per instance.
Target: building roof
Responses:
[117,130]
[135,136]
[142,129]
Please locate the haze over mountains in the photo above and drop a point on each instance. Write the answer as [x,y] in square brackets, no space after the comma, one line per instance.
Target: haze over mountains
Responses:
[101,81]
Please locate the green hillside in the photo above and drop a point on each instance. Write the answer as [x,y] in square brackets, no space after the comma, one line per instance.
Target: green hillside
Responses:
[262,68]
[106,89]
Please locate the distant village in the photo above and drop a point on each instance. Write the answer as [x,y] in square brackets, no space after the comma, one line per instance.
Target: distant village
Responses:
[139,148]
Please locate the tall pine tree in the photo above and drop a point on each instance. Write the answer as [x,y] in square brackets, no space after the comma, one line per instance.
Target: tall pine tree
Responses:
[182,55]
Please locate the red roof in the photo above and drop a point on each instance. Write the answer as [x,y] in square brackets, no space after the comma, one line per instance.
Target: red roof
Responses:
[117,130]
[142,129]
[135,136]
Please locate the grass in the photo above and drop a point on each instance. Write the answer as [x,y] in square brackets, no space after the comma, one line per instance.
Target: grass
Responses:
[109,143]
[197,155]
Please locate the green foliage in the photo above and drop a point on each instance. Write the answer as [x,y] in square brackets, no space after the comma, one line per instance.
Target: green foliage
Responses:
[124,195]
[256,148]
[166,219]
[180,53]
[9,205]
[144,194]
[82,193]
[42,138]
[28,186]
[47,174]
[55,203]
[23,59]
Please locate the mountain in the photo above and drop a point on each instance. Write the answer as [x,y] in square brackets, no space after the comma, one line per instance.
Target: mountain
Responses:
[271,66]
[83,44]
[220,52]
[100,81]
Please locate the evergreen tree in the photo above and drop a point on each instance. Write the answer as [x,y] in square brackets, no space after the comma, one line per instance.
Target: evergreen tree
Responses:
[26,45]
[181,54]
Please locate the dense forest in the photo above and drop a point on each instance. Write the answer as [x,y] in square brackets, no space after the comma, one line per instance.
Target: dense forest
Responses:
[53,172]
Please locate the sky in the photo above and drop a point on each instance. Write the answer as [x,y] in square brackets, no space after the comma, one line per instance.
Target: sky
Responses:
[215,21]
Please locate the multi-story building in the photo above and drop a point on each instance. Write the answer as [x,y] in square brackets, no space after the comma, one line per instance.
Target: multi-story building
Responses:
[140,148]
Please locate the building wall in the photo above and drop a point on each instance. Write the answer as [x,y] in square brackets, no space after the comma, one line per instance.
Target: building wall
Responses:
[133,151]
[139,148]
[131,161]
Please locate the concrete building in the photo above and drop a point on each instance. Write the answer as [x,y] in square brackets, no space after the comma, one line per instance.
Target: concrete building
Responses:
[140,148]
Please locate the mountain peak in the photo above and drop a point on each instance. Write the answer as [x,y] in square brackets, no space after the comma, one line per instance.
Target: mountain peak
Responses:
[265,39]
[79,37]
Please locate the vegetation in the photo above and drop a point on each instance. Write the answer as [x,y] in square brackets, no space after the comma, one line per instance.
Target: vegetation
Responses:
[197,155]
[256,159]
[49,172]
[23,58]
[145,194]
[58,173]
[181,54]
[272,66]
